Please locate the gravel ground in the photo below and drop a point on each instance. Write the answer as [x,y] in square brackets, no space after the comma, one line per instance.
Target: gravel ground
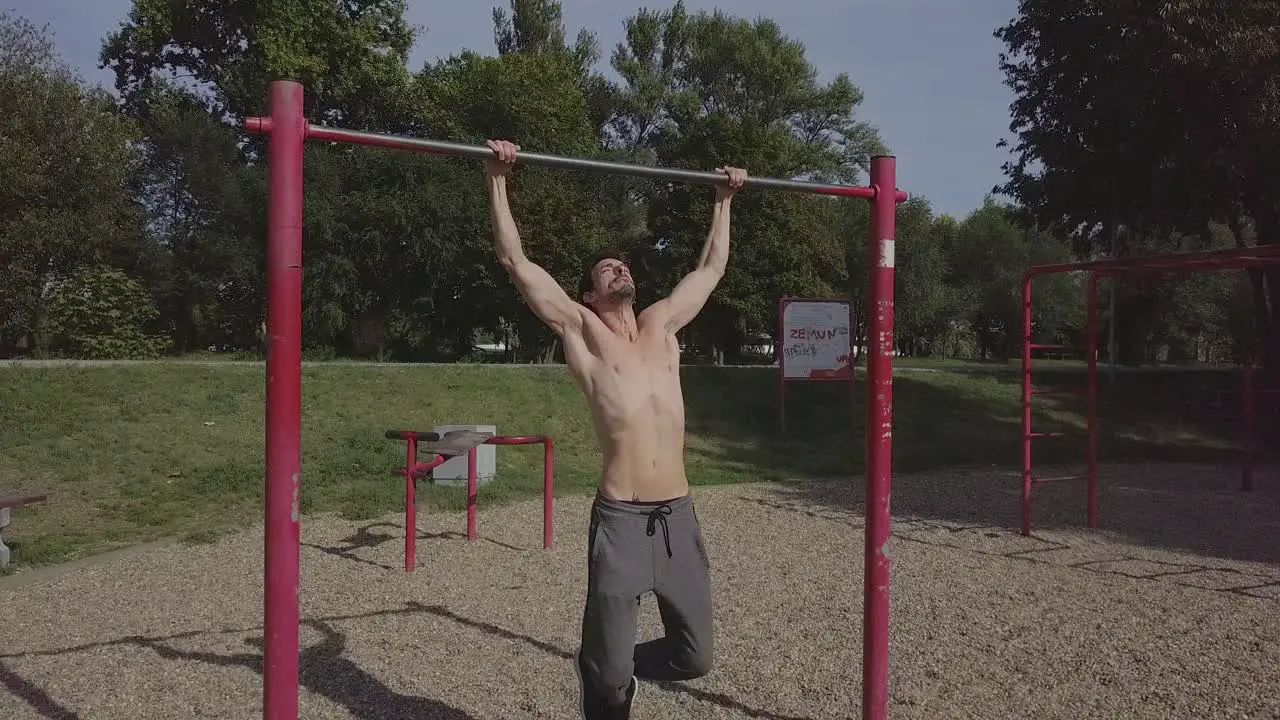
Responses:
[1130,621]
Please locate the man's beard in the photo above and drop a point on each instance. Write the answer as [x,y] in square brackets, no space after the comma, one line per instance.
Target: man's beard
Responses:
[626,292]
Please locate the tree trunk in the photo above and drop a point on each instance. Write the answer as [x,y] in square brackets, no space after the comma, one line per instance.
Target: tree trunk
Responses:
[549,352]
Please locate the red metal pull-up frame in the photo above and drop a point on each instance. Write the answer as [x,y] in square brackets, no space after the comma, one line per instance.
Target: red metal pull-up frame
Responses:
[1214,260]
[289,130]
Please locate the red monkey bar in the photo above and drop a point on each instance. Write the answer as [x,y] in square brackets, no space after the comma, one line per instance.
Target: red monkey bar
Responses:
[1233,259]
[415,470]
[288,129]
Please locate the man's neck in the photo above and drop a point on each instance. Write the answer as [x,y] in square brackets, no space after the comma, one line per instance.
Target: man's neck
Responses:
[621,320]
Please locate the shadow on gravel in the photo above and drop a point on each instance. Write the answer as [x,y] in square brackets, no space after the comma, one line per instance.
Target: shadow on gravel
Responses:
[34,695]
[365,538]
[714,698]
[1191,509]
[324,671]
[950,513]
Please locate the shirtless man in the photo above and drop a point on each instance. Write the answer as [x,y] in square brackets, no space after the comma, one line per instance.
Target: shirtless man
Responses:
[644,535]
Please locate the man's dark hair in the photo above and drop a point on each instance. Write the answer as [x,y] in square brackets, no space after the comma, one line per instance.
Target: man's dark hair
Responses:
[586,283]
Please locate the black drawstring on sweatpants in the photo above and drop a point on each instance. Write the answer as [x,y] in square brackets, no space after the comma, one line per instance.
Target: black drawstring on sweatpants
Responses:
[659,514]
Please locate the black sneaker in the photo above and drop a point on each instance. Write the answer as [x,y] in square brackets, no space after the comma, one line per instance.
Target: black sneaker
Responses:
[592,706]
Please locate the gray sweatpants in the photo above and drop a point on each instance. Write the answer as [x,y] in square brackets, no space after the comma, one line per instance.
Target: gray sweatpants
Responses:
[635,548]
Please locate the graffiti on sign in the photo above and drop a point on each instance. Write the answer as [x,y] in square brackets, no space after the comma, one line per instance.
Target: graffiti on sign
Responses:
[815,340]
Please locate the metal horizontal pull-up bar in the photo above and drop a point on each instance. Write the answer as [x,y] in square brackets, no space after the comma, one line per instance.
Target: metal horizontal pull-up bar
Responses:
[288,130]
[263,125]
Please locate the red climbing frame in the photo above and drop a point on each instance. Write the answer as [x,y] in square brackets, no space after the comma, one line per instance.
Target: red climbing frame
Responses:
[1234,259]
[415,470]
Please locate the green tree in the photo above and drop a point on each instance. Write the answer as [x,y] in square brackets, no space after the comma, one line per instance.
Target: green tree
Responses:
[66,173]
[1149,121]
[537,99]
[392,254]
[351,57]
[707,89]
[541,93]
[207,208]
[537,27]
[992,251]
[207,191]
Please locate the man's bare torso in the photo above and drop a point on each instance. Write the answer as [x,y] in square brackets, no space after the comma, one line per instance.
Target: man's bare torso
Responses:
[628,367]
[633,388]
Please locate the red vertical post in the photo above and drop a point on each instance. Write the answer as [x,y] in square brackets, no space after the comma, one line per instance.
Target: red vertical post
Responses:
[411,508]
[879,450]
[1027,391]
[548,491]
[284,403]
[1248,431]
[471,494]
[1091,344]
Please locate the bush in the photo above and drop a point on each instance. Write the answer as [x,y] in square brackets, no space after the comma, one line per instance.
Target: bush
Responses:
[99,313]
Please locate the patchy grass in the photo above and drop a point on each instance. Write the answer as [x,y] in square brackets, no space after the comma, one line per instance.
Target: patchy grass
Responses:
[135,452]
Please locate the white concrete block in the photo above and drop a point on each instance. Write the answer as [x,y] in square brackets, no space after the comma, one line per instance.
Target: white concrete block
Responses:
[454,470]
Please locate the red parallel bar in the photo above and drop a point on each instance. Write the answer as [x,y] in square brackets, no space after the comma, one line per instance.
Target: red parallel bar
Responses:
[471,495]
[548,492]
[419,468]
[1048,347]
[412,470]
[283,405]
[879,438]
[407,435]
[1248,432]
[411,507]
[1091,330]
[1026,403]
[548,477]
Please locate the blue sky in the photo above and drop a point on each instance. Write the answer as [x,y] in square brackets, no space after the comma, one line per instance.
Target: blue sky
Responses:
[928,68]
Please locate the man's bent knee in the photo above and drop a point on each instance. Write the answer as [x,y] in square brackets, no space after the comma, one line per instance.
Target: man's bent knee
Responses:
[697,663]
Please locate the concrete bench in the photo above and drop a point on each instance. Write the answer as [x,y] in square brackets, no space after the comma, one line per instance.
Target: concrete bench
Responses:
[7,503]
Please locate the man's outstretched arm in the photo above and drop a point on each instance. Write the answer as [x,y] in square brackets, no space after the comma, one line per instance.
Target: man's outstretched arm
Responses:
[691,293]
[541,291]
